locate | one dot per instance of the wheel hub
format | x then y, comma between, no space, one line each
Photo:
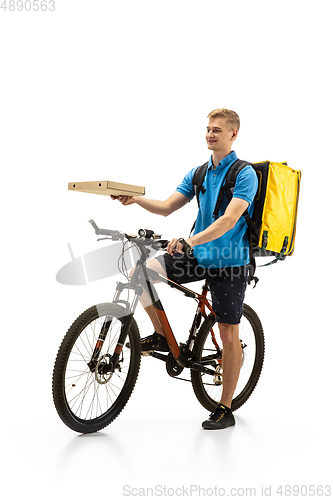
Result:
103,370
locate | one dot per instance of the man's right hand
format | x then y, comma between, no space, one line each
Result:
125,200
174,202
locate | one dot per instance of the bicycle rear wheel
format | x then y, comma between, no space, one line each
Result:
88,391
208,350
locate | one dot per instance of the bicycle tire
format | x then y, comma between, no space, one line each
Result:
87,400
251,335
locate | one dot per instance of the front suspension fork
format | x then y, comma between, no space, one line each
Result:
99,344
125,328
126,321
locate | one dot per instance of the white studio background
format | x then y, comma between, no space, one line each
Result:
120,91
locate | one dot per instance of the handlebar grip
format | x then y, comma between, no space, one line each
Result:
94,225
188,250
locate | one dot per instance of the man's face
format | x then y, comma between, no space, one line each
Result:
220,135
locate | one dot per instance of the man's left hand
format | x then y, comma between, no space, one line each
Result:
175,246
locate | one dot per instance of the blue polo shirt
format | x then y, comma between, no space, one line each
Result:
232,248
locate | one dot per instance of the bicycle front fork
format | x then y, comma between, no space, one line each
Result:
126,320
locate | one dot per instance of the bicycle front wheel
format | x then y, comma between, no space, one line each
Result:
89,391
208,351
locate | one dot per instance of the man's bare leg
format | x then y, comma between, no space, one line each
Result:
145,300
231,360
222,416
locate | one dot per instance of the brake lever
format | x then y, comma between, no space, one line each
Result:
115,237
160,244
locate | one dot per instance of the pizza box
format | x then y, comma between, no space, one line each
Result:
107,188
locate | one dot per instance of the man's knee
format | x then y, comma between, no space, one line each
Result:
228,333
131,272
154,265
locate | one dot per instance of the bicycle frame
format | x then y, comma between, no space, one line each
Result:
142,279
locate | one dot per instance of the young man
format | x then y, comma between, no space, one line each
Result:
220,250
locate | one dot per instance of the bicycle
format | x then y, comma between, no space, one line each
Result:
98,361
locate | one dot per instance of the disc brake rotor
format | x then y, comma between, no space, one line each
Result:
103,370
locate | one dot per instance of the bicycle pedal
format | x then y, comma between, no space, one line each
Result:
146,353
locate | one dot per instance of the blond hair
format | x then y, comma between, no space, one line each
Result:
231,116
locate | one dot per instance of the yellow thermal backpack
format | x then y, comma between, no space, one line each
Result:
272,227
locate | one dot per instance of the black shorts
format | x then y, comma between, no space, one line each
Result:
227,285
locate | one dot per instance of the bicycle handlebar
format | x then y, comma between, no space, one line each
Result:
145,236
105,232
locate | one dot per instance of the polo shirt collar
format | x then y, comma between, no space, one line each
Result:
225,162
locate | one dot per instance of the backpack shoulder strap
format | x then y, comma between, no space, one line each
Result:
198,178
229,183
197,181
227,188
231,176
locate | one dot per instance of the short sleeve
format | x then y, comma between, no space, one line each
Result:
246,184
186,187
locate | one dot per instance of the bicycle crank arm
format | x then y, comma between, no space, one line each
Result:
158,355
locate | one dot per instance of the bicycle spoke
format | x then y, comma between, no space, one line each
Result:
88,395
208,388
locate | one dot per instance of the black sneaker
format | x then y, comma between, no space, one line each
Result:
221,418
155,342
